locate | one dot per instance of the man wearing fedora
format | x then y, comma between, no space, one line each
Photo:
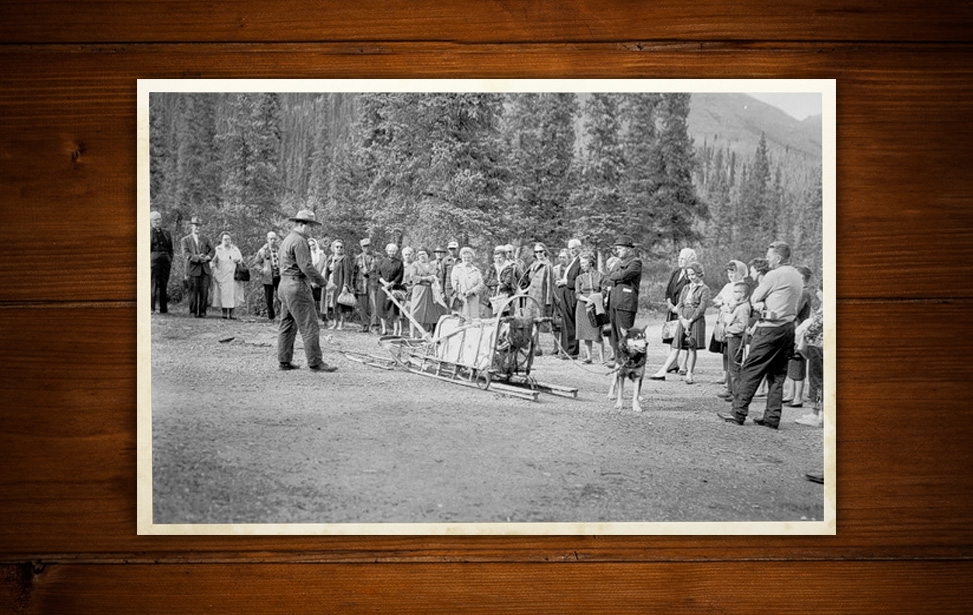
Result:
623,300
298,311
199,251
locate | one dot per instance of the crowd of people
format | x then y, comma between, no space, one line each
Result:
769,326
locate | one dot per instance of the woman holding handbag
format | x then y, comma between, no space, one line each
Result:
339,272
227,290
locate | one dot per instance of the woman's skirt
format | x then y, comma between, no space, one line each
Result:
697,333
583,330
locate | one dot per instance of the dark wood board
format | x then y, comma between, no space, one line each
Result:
504,21
67,307
712,587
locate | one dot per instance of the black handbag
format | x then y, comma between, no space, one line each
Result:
596,320
242,273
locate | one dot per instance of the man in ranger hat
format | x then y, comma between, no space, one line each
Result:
297,309
161,260
199,251
366,284
624,280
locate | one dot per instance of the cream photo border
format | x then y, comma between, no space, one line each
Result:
824,87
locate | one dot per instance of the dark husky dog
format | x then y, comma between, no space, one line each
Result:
630,364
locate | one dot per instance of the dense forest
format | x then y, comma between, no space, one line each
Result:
425,168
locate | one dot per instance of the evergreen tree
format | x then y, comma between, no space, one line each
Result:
196,170
539,139
676,205
598,205
753,216
644,166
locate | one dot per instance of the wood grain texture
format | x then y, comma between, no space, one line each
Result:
46,21
491,588
68,470
903,181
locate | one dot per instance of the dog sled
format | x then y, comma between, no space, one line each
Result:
493,354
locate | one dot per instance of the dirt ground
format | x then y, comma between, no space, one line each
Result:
235,440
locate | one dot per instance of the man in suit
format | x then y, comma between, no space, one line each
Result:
566,301
623,300
161,260
198,251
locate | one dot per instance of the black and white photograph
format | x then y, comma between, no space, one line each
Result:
486,307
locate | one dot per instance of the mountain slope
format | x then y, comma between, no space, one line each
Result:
737,121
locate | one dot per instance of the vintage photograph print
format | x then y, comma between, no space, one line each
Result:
479,307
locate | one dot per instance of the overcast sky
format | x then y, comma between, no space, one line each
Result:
799,105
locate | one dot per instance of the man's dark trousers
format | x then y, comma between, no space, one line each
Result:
298,312
619,319
568,304
199,293
269,290
161,266
770,350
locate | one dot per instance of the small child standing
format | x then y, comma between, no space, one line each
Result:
737,322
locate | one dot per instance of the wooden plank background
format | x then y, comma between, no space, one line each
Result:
67,305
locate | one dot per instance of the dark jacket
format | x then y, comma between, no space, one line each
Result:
625,280
197,263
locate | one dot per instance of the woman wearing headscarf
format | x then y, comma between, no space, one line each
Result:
227,291
736,271
691,331
339,271
468,284
678,279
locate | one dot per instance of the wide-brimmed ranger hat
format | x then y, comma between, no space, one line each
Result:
625,240
305,215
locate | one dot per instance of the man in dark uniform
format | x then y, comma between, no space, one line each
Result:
161,260
198,251
623,301
566,301
297,309
446,264
365,286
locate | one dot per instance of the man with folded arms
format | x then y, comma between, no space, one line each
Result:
298,311
775,299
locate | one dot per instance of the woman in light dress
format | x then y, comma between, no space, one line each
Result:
227,292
